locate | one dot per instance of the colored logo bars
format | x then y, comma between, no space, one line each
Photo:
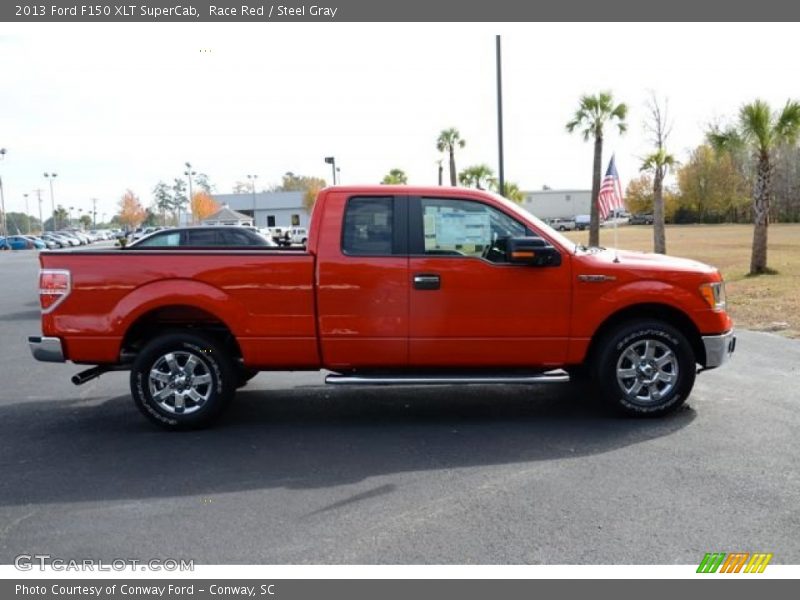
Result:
735,562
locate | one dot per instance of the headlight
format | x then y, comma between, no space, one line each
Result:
714,294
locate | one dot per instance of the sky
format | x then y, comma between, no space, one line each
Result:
110,107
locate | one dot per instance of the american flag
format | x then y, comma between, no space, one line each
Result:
610,196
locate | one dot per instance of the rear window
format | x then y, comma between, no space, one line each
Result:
368,224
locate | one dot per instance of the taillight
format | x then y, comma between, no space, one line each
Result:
54,287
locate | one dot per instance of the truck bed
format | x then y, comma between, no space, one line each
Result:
263,297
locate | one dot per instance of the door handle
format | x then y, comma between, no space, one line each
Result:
427,281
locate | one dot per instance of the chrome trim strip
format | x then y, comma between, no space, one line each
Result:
719,348
555,377
46,349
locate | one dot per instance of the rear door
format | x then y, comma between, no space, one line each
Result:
469,306
363,282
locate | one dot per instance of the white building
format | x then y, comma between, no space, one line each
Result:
227,216
552,204
272,209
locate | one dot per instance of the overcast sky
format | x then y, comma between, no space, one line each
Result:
116,106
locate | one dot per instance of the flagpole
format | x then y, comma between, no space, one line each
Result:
616,240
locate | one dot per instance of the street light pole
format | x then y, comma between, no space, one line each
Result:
50,177
3,198
253,178
189,174
39,197
332,162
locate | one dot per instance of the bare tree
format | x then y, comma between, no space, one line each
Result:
658,163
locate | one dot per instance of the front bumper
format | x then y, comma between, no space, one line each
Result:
719,348
46,349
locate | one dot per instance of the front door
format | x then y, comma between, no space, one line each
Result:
469,307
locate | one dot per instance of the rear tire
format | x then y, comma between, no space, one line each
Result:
182,381
646,368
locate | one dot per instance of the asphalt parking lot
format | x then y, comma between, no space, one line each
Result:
302,473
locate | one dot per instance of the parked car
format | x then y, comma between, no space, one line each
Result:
18,242
298,236
563,224
398,285
582,222
228,236
56,242
38,242
278,234
641,219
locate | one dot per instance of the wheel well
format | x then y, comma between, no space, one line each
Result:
177,317
661,312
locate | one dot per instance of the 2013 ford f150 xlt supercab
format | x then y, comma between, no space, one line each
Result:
397,285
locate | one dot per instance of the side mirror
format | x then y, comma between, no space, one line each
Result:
533,251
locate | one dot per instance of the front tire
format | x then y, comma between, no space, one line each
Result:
182,381
646,368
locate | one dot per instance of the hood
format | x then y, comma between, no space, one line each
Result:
643,261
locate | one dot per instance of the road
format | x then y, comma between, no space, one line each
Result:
302,473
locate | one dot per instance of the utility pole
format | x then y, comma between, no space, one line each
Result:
501,169
94,213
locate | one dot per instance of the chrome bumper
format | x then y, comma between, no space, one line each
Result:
46,349
719,348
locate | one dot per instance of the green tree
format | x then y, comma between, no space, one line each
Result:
478,176
591,118
711,187
395,177
85,221
61,215
20,223
447,141
513,193
180,199
762,131
310,186
639,194
162,200
202,182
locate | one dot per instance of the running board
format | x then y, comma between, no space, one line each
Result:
558,376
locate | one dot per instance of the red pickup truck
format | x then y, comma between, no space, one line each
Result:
397,285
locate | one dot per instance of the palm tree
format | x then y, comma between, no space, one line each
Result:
592,116
659,163
479,176
513,193
762,132
60,216
395,176
447,142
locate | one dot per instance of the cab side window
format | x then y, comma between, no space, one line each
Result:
467,228
368,227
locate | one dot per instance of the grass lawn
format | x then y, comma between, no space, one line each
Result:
767,302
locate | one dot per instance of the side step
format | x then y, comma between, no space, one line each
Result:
557,376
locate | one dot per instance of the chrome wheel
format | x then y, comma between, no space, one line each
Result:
647,371
180,382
